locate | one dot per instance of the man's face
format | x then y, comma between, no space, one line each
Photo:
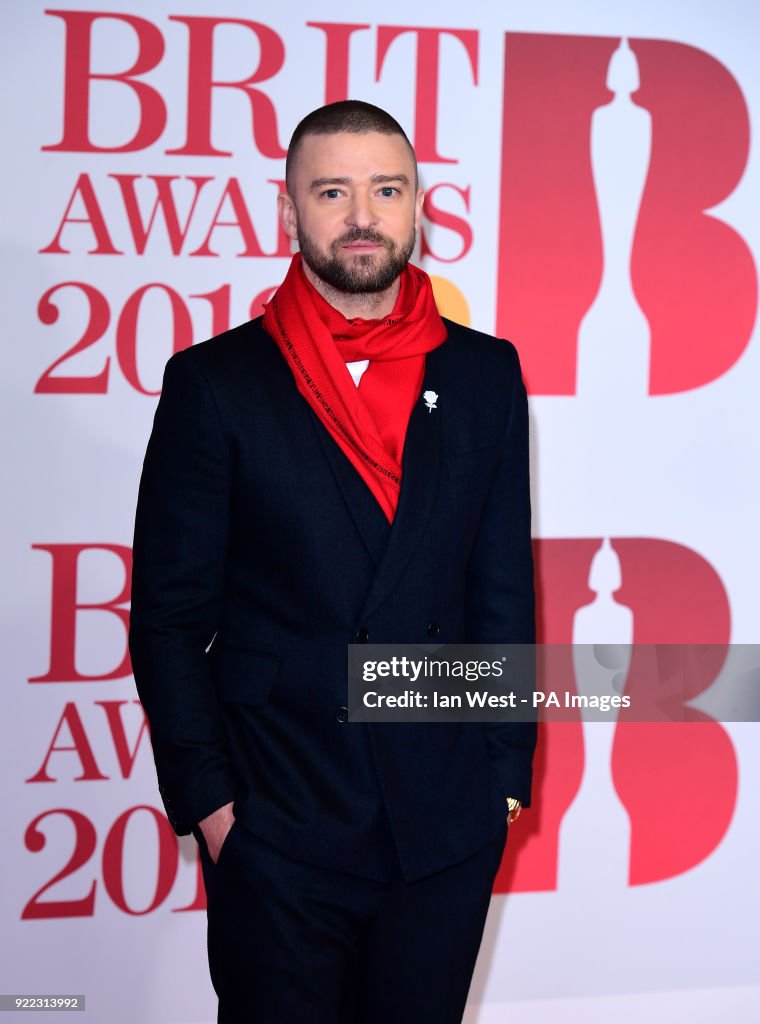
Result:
354,208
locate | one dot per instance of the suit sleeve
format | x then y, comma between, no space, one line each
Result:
500,594
179,554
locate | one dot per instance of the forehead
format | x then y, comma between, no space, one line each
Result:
345,154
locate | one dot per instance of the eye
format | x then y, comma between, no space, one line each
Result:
331,193
388,191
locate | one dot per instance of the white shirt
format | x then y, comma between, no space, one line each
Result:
356,369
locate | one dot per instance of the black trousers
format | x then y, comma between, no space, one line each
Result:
290,943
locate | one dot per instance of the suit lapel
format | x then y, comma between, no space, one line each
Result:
393,546
419,488
368,517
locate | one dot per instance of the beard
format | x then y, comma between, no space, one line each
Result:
357,275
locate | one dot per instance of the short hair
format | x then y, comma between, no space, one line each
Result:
353,116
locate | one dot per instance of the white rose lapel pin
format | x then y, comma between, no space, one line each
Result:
430,400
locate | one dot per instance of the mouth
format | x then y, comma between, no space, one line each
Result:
361,247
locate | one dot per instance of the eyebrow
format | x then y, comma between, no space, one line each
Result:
376,179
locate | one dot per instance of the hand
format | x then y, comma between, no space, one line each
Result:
215,829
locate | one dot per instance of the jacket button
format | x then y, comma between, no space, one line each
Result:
433,629
362,635
341,715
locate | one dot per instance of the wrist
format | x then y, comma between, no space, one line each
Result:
218,821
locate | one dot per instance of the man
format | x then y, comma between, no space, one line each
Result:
351,468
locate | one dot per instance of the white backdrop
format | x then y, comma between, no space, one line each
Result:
613,238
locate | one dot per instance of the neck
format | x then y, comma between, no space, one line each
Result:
367,305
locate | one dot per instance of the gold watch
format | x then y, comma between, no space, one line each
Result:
514,807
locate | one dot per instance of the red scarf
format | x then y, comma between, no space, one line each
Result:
369,422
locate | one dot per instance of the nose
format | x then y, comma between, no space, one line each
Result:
361,213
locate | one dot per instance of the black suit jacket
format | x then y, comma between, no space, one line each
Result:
253,529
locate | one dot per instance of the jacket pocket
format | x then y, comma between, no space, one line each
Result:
245,677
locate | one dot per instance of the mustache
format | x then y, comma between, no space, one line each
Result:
361,235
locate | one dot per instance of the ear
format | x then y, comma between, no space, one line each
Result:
286,210
418,201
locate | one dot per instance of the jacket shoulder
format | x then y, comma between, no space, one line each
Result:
475,351
225,354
